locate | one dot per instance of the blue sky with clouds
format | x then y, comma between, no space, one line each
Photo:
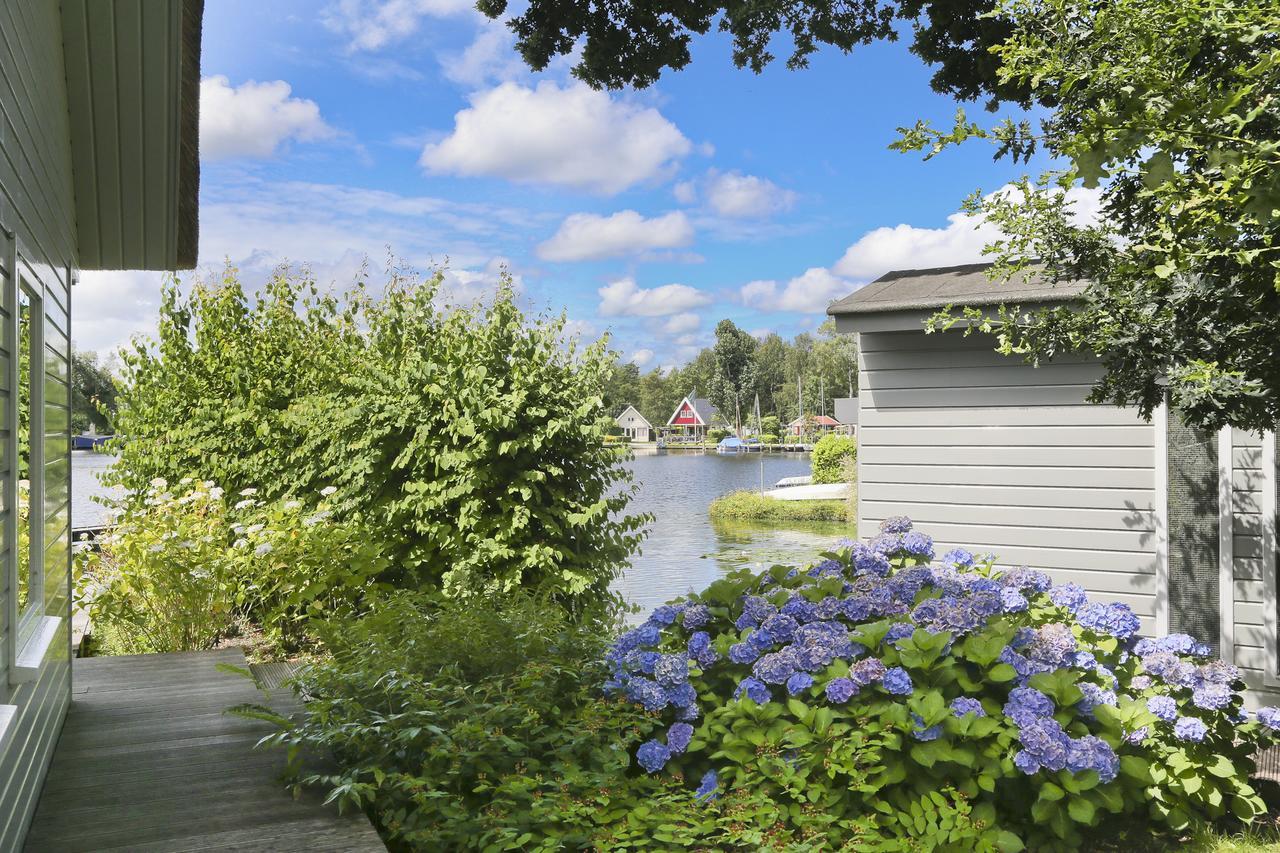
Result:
332,131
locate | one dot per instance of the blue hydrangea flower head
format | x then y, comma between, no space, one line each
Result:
1116,620
1093,697
1269,717
897,681
671,670
1093,753
798,683
1170,669
957,558
1027,705
919,732
1012,601
664,615
1212,697
708,787
799,608
1026,762
867,671
918,545
867,561
1069,595
896,524
1190,729
781,627
696,616
682,695
647,693
777,667
1164,707
899,631
962,705
1138,735
1216,672
754,689
653,755
678,737
743,653
840,690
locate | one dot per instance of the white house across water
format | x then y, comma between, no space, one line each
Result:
989,453
634,425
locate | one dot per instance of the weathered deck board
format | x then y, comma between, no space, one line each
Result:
147,761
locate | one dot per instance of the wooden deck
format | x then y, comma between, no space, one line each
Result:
148,761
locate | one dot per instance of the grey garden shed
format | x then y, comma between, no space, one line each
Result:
992,454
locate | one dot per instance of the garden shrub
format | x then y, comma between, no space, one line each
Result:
462,725
881,702
182,567
751,506
769,438
716,434
469,439
829,458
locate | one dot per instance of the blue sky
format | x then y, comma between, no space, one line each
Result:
331,132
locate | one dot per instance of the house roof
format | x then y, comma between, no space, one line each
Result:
964,285
819,420
701,407
633,410
133,99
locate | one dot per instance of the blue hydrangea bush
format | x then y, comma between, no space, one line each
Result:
884,697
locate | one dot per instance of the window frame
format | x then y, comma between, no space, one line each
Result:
32,288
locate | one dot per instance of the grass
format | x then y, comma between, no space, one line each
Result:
749,506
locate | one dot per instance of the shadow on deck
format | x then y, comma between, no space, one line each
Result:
148,761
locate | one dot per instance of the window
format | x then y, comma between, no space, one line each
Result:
30,531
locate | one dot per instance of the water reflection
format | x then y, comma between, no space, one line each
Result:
685,550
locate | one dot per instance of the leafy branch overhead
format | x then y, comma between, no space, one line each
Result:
1171,108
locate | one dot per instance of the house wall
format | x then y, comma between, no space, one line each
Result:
1253,484
987,453
36,202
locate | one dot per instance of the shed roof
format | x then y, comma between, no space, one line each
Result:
964,285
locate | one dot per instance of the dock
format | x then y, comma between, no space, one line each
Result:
149,761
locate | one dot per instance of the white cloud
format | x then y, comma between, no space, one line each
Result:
463,286
491,57
622,298
374,24
808,293
587,236
686,192
641,357
254,119
681,324
571,136
736,195
112,306
960,242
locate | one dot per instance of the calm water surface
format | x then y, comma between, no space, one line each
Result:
684,550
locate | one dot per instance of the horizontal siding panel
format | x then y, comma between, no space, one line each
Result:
1250,636
1248,613
1248,590
985,357
1035,517
1138,501
1247,547
1246,523
911,341
1246,502
946,395
975,415
1009,373
1023,456
1246,481
1247,570
1053,559
1132,436
1118,478
1249,458
999,537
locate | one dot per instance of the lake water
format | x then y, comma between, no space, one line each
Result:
684,550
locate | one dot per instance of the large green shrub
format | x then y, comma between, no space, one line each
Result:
879,702
469,439
829,457
183,566
475,725
750,506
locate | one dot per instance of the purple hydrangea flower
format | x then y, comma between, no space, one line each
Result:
1069,595
1093,697
757,691
653,755
1044,738
743,653
647,694
887,543
958,557
700,649
896,524
867,671
696,616
1024,579
919,732
682,695
1170,669
1138,735
754,611
918,545
777,667
899,631
664,615
678,737
799,608
1093,753
897,681
1164,707
1012,601
962,705
869,562
708,787
641,661
1117,620
840,690
1190,729
1140,682
798,683
1212,697
1026,762
1027,705
1269,717
671,670
1217,672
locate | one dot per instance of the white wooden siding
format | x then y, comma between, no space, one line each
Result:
37,202
987,453
1251,637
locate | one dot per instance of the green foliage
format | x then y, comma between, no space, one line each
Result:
633,44
182,567
735,378
749,506
93,392
469,725
873,766
714,435
468,439
1169,108
770,425
830,458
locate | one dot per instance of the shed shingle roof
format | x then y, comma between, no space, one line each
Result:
965,285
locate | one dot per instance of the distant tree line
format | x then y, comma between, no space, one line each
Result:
93,391
817,367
